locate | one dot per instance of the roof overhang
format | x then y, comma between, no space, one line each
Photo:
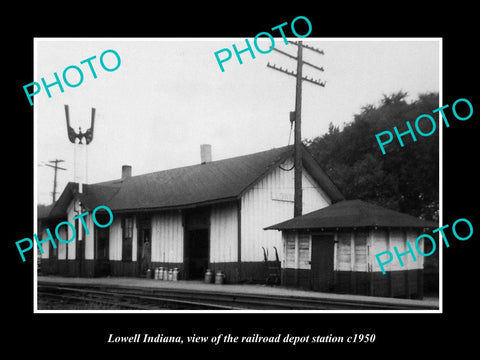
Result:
353,214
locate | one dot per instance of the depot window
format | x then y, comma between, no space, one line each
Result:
127,238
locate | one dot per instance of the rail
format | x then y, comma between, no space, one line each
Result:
141,298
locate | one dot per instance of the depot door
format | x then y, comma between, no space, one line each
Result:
144,248
102,264
322,263
197,250
196,243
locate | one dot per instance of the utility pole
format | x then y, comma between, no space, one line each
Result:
55,167
298,198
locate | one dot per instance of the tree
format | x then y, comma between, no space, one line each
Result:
406,178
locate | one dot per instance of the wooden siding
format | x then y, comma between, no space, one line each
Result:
398,283
412,237
304,251
359,253
223,233
269,202
297,249
89,239
134,239
115,239
72,244
65,233
290,250
62,247
343,259
314,198
397,240
383,240
350,252
45,246
378,244
167,237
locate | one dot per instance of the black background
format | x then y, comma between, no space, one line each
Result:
408,335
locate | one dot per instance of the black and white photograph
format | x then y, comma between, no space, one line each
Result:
198,169
253,181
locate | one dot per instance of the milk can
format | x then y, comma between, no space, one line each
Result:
160,273
149,274
165,274
156,273
219,277
175,274
208,276
170,275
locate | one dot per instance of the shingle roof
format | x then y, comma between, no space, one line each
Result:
216,181
353,214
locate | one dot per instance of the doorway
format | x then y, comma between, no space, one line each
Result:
196,245
102,265
322,263
144,245
197,253
144,250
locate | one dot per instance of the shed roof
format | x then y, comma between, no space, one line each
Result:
353,214
212,182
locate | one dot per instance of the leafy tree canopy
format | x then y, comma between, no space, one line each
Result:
406,178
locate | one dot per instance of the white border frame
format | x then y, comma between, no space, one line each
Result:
35,144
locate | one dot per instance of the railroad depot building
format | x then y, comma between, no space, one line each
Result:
211,215
224,215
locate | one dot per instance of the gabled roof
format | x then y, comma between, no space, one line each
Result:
353,214
212,182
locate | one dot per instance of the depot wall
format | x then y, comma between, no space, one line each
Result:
269,202
64,259
355,269
167,237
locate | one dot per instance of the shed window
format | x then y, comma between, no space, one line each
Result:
304,252
344,251
127,238
361,251
290,251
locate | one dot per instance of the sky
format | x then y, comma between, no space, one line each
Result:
169,95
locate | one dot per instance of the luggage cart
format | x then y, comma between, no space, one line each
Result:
272,268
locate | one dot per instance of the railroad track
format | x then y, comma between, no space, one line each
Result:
140,298
123,298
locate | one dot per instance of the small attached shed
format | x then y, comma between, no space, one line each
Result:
333,250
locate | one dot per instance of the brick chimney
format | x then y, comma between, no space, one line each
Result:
126,171
205,153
